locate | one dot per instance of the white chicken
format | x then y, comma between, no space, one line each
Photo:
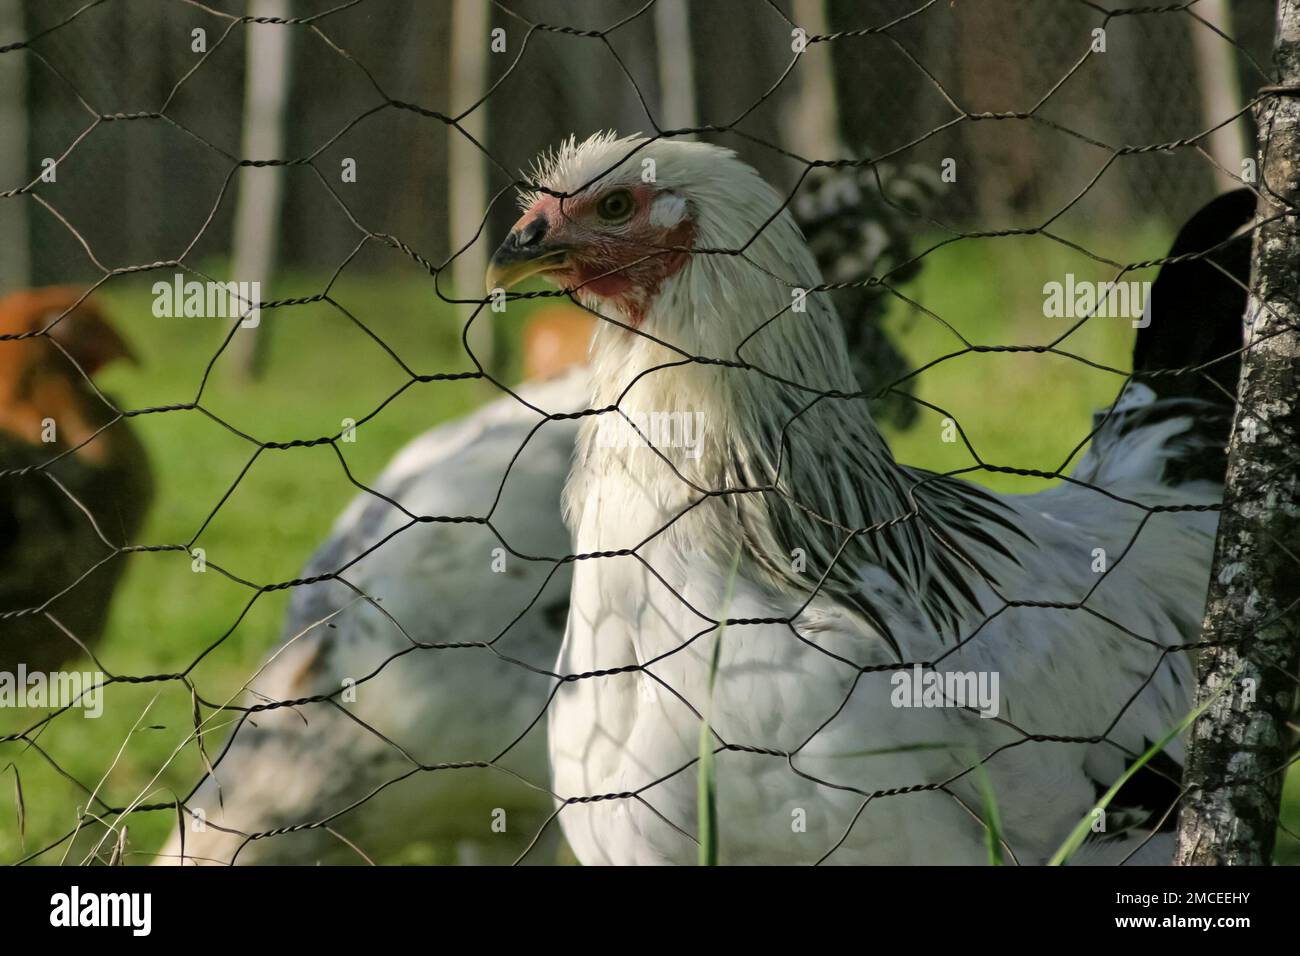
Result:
837,568
305,775
400,709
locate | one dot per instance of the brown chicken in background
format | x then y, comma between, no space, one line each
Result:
556,338
74,483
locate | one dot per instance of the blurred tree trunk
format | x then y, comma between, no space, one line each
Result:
1216,76
467,177
727,92
882,100
995,77
678,107
812,117
1238,746
140,161
15,170
257,208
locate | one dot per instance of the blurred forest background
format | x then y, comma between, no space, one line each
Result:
141,189
363,82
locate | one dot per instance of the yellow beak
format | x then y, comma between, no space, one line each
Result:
510,265
529,250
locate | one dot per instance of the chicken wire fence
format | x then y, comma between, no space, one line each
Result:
106,819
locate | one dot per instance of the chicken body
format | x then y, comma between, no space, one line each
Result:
840,571
76,481
305,765
812,710
414,706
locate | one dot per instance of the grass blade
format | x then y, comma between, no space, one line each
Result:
1084,826
992,821
707,777
20,805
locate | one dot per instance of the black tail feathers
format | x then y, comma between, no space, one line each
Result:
1195,306
1194,321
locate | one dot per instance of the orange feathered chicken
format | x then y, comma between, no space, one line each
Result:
75,482
556,338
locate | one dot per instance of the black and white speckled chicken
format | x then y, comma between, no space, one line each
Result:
860,223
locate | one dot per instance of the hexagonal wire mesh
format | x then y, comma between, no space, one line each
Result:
999,81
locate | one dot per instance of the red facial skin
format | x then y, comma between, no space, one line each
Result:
624,264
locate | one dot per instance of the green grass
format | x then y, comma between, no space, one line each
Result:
320,370
989,813
1023,409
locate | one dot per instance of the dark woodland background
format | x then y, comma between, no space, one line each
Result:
149,184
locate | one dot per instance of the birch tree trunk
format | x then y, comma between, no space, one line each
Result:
257,206
811,118
678,109
1238,746
15,171
1216,76
467,177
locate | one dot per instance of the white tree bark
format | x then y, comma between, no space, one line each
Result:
15,171
257,207
467,175
677,95
1216,75
1238,747
811,118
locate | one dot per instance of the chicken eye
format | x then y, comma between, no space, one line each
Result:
616,206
